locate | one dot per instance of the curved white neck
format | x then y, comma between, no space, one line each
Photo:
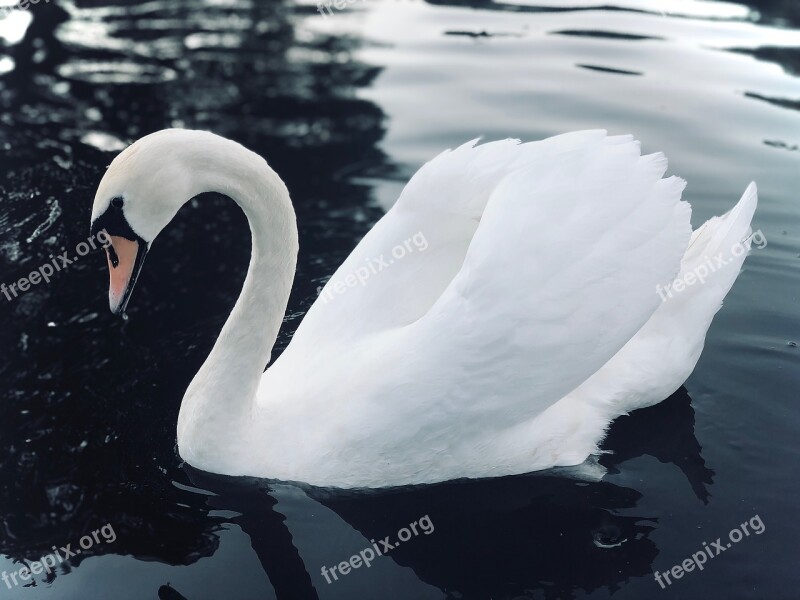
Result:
219,400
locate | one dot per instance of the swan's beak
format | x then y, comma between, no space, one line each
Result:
125,260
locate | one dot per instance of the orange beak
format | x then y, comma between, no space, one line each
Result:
125,260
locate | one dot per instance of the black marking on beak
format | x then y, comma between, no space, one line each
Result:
112,255
137,268
114,223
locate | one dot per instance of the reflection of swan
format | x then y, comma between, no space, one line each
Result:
527,321
664,431
489,537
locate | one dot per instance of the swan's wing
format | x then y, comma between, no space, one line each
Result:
561,272
539,262
405,262
542,262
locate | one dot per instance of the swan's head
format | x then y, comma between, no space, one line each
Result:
142,190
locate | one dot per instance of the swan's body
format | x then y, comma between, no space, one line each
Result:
528,321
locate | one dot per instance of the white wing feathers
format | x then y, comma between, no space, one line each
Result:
562,270
538,254
529,320
442,204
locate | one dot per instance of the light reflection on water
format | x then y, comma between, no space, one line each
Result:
345,108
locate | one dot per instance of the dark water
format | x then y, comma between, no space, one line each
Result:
345,108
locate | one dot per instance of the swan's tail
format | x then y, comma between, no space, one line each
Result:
712,261
676,332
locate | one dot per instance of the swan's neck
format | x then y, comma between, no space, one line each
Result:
217,406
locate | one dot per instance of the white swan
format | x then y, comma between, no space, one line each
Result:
529,321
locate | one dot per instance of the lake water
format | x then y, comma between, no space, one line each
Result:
346,107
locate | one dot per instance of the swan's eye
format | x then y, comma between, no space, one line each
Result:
117,202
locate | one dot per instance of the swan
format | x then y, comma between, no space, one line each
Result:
558,287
